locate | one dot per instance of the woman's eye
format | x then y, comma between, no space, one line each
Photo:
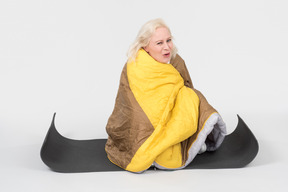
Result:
159,43
169,40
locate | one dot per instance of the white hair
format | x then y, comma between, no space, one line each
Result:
144,36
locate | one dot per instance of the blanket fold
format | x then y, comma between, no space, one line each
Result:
159,117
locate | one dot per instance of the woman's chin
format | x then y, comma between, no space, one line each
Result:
164,60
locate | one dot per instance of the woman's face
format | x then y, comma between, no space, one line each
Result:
160,45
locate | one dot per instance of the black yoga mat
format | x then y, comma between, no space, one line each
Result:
71,156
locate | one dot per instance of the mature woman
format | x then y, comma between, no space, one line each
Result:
159,118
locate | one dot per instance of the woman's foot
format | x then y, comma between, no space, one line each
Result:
202,149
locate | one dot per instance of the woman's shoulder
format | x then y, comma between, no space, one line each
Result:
178,63
177,60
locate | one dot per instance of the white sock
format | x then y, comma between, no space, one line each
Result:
202,149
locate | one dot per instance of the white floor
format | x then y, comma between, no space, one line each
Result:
22,170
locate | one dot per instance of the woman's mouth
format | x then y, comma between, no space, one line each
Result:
167,55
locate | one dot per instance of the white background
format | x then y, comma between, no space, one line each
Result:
66,56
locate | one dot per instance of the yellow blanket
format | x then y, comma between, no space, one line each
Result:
157,118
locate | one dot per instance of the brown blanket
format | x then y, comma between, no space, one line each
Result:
129,127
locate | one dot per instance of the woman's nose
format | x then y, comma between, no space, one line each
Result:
166,46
